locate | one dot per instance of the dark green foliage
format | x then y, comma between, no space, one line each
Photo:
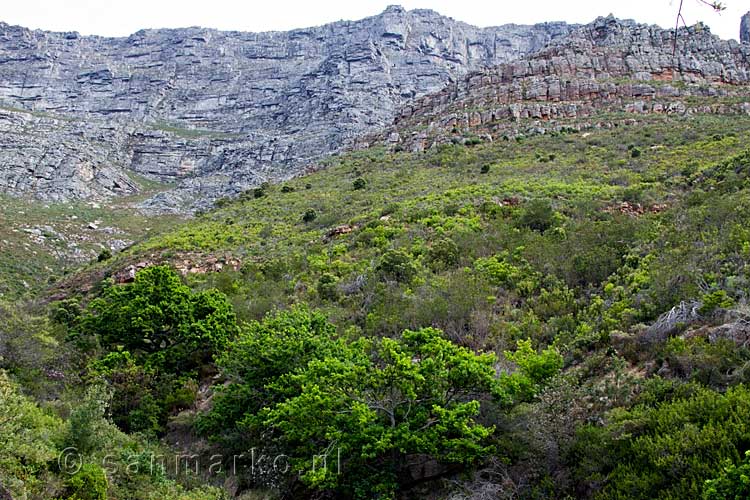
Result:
538,215
732,482
443,254
309,215
397,265
137,391
485,168
367,405
715,300
104,255
669,445
161,320
160,333
327,286
360,183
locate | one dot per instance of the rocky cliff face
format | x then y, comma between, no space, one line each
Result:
745,29
609,65
217,112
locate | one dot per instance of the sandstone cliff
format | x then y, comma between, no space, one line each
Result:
609,65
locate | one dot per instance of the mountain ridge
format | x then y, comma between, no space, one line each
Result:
207,113
220,112
610,65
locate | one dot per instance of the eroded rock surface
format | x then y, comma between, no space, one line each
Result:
218,112
608,65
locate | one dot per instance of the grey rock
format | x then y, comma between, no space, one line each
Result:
215,113
745,29
609,65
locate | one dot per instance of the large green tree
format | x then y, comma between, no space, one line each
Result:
362,408
157,335
162,320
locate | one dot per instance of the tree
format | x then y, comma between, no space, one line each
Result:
28,439
262,353
366,405
157,334
161,321
732,483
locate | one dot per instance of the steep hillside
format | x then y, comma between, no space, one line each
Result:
620,255
218,112
533,284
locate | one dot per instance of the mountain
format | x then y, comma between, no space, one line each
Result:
609,65
213,112
526,274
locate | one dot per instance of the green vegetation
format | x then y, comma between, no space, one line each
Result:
362,405
193,133
561,316
41,243
155,335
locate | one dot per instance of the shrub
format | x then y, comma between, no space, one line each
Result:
442,254
327,287
673,441
485,168
732,483
262,353
309,215
104,255
89,483
360,183
87,423
538,215
369,404
161,320
28,438
715,300
397,265
534,369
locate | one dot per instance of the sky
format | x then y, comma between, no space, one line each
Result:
123,17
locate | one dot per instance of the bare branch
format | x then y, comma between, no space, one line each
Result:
717,6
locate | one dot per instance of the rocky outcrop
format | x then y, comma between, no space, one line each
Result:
745,29
609,65
218,112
